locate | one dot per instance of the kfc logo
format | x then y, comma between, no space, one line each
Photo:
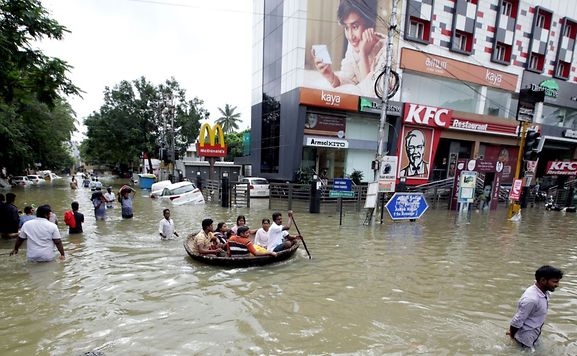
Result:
427,115
567,168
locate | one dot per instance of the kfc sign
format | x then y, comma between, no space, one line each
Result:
427,115
562,168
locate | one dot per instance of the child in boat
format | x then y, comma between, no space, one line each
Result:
240,244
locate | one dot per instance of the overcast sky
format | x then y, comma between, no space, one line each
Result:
204,45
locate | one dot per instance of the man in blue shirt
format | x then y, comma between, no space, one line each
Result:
525,327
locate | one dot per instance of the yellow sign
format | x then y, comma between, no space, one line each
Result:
211,149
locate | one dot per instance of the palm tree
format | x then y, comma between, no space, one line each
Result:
229,119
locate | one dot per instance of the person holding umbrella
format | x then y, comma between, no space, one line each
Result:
125,198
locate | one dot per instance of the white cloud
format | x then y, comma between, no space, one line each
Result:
205,46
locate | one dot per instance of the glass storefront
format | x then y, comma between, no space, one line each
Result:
500,103
440,92
559,116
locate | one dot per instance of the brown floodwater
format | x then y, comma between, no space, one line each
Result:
444,285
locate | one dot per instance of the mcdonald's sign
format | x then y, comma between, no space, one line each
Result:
212,148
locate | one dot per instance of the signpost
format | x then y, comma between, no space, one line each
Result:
515,193
342,188
407,206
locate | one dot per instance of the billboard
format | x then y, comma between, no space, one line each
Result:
346,45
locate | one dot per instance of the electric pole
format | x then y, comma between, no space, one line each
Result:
385,98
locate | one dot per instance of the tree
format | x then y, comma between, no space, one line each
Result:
35,121
234,144
139,117
229,119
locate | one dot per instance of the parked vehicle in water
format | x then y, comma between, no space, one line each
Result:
182,193
21,181
258,187
35,179
157,188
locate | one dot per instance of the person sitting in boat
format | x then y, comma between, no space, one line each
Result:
261,237
276,241
241,221
221,232
240,244
201,242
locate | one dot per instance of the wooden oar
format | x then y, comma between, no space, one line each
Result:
302,238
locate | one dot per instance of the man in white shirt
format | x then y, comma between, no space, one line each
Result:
276,242
42,236
110,198
166,226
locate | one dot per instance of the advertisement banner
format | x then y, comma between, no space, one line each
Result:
325,125
388,174
467,185
340,39
417,146
561,168
515,193
508,156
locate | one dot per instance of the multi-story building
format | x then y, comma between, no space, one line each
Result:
459,66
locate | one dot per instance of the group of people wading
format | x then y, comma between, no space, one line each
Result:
270,239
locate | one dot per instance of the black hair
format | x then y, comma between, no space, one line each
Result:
276,215
43,211
74,205
206,223
165,210
265,220
241,230
548,272
366,9
10,198
219,226
240,217
28,210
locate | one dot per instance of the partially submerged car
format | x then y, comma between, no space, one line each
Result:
181,193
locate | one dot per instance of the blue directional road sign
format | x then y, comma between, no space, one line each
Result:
407,206
342,184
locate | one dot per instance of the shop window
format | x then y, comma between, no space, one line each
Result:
498,103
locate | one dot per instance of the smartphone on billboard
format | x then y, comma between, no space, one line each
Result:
322,52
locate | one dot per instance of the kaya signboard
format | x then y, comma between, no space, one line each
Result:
333,45
450,68
557,92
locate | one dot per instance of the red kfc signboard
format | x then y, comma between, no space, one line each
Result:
427,115
562,168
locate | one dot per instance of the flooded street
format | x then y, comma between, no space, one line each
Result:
440,286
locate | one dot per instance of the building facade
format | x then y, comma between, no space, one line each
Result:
459,66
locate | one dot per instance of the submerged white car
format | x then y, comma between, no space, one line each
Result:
258,187
181,193
157,188
35,179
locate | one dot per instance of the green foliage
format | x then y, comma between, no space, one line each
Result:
138,117
235,144
35,122
356,176
304,176
229,119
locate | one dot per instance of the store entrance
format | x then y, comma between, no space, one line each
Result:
321,160
448,152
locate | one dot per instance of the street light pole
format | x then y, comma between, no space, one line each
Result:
385,99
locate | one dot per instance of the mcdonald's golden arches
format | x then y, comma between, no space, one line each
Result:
212,148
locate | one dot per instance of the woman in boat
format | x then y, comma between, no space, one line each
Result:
221,232
240,221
